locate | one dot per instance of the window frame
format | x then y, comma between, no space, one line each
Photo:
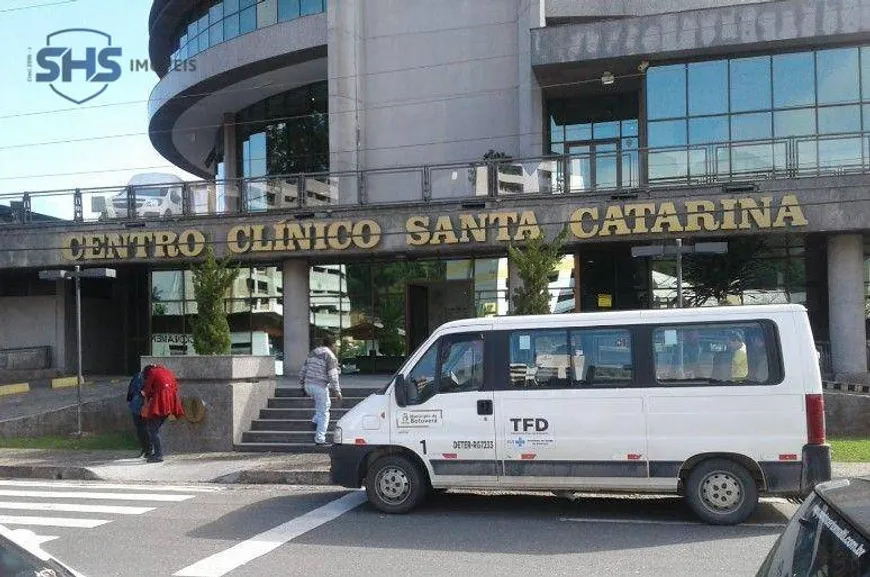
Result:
775,367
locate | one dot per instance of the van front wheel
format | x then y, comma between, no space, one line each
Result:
721,492
394,484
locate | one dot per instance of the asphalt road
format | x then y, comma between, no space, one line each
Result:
241,531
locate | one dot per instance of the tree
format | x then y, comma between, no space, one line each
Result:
211,280
719,276
535,262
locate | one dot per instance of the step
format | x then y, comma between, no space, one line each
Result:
360,392
298,414
303,425
308,403
280,437
280,448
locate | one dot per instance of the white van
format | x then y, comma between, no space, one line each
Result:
717,404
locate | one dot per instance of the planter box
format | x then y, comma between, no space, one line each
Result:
232,390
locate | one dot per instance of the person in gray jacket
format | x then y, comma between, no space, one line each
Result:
318,375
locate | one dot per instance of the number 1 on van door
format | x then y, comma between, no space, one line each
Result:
424,446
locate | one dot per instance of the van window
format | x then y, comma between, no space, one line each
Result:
457,360
560,359
714,353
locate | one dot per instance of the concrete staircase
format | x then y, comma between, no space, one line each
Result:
285,424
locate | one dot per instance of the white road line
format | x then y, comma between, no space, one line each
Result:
221,563
27,534
121,486
656,522
74,508
96,495
52,521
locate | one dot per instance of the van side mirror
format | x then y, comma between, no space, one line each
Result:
401,390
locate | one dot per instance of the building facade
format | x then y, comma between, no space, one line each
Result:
378,157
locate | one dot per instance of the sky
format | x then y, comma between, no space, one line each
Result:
31,113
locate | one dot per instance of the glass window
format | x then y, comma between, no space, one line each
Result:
311,7
705,354
246,3
601,357
840,153
755,126
288,10
865,73
248,20
605,130
231,7
216,13
750,84
668,165
192,30
708,130
708,88
231,26
867,117
267,13
540,360
837,72
578,132
629,128
839,119
421,380
667,133
794,80
666,92
801,122
216,33
167,285
202,26
461,366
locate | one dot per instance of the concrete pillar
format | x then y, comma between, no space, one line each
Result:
232,191
296,315
59,355
846,304
531,105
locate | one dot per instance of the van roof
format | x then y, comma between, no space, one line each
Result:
619,317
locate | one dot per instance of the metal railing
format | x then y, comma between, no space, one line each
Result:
588,173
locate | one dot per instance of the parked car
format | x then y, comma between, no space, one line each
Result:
21,556
154,194
829,536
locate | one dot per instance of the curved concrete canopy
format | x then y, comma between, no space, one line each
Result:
186,108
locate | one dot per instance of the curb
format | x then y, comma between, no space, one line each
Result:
265,477
15,389
47,472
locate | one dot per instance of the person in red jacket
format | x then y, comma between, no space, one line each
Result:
161,401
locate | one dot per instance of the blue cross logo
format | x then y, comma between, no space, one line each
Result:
520,442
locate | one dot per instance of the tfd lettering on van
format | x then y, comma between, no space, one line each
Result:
526,425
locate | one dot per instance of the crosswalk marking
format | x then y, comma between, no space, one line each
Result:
222,563
52,521
74,508
121,486
159,497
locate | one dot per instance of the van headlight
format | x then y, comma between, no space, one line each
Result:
336,436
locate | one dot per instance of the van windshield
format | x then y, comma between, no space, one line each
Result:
818,542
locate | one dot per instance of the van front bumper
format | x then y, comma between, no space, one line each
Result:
345,464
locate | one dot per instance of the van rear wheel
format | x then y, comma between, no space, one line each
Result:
395,484
721,492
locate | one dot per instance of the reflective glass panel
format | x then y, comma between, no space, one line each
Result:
839,119
708,129
605,130
750,84
248,20
267,13
231,26
837,72
667,133
794,79
865,73
708,88
311,7
288,9
231,6
800,122
755,126
666,91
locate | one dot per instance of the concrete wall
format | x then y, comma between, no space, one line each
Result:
425,82
35,321
602,9
847,414
104,416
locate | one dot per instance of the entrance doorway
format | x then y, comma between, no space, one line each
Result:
433,303
594,164
610,279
